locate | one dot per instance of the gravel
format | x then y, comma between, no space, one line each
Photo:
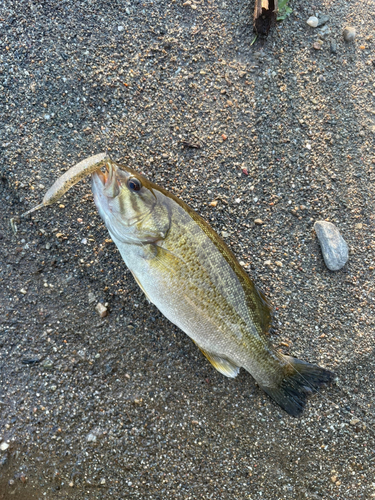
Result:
280,126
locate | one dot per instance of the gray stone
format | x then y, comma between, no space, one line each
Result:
91,437
333,47
334,248
323,20
349,34
47,364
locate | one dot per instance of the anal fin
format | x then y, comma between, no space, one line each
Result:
222,365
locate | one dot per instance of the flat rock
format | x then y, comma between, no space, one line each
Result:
334,247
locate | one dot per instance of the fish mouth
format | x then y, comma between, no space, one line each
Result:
107,180
105,187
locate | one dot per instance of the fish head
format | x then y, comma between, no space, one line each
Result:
131,206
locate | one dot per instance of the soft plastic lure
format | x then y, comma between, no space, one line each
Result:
66,181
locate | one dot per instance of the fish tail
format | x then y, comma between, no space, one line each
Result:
300,379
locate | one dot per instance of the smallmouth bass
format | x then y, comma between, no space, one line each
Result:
187,271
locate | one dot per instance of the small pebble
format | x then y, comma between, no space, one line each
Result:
47,364
91,297
354,421
267,263
120,28
322,20
23,291
102,310
317,46
4,446
213,203
259,55
357,226
279,264
334,248
259,222
91,438
324,31
349,34
82,354
333,47
313,21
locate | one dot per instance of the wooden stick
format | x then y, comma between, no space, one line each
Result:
264,15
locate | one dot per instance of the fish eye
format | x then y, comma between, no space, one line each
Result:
134,184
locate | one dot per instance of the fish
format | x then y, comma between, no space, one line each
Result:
189,273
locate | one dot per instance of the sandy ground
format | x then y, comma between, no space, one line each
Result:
126,406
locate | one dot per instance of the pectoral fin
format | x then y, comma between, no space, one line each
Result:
222,365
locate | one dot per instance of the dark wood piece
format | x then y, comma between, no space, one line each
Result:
264,16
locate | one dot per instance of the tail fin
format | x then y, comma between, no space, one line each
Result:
300,381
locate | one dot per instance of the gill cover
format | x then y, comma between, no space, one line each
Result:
132,208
